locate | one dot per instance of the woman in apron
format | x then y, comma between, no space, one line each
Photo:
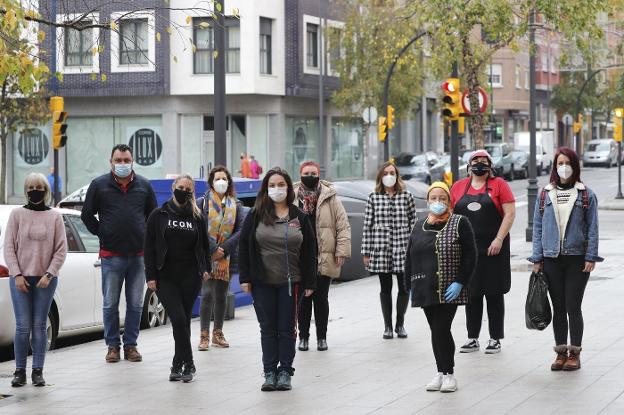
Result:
489,204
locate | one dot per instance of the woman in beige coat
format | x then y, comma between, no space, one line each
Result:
317,198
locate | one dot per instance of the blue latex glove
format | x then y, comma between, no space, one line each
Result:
452,292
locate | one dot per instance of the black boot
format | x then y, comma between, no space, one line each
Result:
176,372
19,378
401,304
188,373
303,344
386,310
37,377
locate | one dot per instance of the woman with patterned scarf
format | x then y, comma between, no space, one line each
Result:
441,258
224,217
317,199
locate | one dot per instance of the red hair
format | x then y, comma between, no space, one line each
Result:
310,163
574,163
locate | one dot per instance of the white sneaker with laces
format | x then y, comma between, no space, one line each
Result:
471,345
449,384
436,383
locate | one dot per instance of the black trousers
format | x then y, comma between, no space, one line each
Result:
321,310
385,280
277,314
178,296
496,315
566,285
440,318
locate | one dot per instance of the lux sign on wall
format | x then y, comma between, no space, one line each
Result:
33,147
146,146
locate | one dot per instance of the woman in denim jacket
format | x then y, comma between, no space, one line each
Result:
566,207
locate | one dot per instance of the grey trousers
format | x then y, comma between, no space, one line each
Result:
213,298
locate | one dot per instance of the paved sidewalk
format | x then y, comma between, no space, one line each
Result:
361,373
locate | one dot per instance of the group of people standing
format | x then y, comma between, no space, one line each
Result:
290,246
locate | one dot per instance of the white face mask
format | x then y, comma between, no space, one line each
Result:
389,180
278,194
220,186
564,171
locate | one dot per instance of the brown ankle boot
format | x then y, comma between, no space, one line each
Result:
204,340
574,359
562,356
218,339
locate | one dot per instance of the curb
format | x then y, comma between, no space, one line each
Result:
611,204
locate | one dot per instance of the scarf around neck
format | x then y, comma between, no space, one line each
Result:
221,222
308,198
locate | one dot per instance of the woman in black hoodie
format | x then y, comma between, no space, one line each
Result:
277,263
176,261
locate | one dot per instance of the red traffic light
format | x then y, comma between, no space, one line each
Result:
449,86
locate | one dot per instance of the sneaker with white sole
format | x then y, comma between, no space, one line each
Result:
449,384
471,345
494,346
436,383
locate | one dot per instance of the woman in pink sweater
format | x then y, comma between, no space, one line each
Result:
35,248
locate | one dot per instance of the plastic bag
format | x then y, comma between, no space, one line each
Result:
537,311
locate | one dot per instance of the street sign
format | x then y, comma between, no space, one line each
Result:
482,101
369,115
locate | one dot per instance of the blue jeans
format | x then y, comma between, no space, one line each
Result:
116,271
276,312
31,314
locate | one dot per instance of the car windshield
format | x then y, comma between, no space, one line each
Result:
419,160
494,151
517,153
599,147
445,159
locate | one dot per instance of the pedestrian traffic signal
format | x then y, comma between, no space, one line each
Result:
59,125
618,120
452,99
390,120
381,128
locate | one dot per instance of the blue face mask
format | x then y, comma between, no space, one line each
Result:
123,170
437,208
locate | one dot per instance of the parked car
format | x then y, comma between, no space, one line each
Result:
520,164
77,304
602,152
446,160
501,157
422,167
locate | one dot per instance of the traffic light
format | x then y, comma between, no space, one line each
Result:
59,125
381,128
452,99
617,121
577,126
390,121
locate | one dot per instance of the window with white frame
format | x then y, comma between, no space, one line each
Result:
133,45
312,43
265,46
518,77
495,75
203,37
79,50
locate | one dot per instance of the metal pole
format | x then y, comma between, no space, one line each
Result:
532,187
322,135
455,136
619,193
220,143
54,87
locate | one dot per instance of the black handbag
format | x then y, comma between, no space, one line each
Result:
537,312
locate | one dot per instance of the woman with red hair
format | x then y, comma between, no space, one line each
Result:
565,247
317,198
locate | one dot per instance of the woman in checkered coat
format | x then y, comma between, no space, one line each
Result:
388,220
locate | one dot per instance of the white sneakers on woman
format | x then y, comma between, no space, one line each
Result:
442,383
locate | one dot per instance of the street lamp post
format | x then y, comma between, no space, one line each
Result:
220,150
532,188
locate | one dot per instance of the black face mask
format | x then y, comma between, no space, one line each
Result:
480,169
35,196
181,196
311,182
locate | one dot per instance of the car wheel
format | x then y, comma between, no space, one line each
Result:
154,313
51,329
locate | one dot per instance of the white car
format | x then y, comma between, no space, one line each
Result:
77,305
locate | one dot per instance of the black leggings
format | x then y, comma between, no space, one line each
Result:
496,315
385,280
321,310
566,285
440,318
178,297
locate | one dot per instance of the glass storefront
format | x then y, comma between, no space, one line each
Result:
302,142
347,149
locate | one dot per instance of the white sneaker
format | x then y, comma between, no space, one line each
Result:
471,345
436,382
449,384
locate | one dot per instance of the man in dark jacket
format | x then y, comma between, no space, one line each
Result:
122,201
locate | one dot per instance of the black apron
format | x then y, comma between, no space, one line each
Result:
493,274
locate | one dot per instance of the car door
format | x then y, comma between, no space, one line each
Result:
76,282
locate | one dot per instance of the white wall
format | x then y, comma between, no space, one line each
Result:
249,80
